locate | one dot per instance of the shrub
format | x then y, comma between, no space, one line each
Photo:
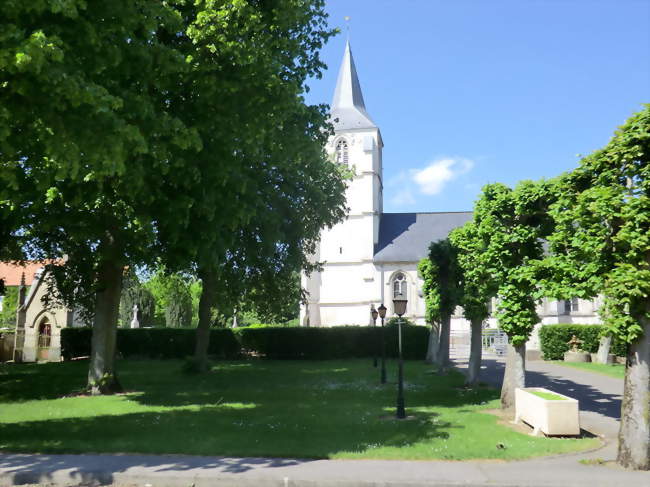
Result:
75,342
163,343
275,342
262,325
554,340
394,320
331,342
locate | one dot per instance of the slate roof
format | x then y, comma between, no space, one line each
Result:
348,110
405,237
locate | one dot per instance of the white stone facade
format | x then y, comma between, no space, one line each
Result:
363,256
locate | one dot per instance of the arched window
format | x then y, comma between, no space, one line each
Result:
400,286
341,152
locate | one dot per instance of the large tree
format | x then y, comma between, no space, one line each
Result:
601,246
478,286
261,181
443,293
509,229
88,137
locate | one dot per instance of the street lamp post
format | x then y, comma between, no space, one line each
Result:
382,314
399,305
373,315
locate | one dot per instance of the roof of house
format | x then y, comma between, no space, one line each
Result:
11,272
348,110
405,237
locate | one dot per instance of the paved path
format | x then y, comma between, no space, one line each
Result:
599,398
180,471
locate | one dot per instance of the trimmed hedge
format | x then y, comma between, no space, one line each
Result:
332,342
554,340
162,343
272,342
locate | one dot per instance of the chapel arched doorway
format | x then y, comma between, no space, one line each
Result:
44,339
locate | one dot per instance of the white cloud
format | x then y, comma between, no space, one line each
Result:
404,197
433,178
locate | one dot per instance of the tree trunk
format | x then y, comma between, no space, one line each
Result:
603,349
514,375
206,305
102,378
443,349
434,343
476,350
634,435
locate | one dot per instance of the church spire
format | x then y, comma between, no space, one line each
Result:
348,108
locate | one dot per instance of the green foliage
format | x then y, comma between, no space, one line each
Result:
478,283
162,343
331,342
271,342
291,324
427,274
442,281
178,313
177,132
172,294
394,320
602,238
9,306
509,228
261,180
549,396
554,340
134,293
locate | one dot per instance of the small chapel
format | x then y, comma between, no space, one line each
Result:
372,256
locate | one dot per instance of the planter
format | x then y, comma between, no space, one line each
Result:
554,414
577,356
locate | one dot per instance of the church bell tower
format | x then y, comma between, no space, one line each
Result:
342,292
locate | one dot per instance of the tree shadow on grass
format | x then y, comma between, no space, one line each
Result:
208,431
26,382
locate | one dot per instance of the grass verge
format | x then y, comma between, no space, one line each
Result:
304,409
549,396
613,370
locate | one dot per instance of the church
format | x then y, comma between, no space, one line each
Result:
371,255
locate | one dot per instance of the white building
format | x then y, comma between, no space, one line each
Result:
373,254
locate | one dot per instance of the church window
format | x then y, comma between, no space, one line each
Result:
341,152
399,286
571,305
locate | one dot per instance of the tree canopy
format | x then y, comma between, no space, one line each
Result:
163,133
601,246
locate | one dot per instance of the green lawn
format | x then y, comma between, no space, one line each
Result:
327,409
614,370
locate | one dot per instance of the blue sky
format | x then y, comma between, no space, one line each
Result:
471,92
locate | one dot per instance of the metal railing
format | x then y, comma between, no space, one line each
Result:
494,342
